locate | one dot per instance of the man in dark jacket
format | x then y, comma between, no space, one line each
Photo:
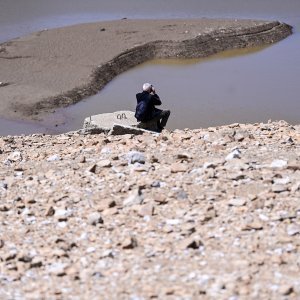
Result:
146,110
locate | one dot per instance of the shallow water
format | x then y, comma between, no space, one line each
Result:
255,87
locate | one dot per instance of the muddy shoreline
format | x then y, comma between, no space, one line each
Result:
59,67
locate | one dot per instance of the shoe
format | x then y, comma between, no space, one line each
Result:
159,129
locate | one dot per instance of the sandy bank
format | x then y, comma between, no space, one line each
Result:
58,67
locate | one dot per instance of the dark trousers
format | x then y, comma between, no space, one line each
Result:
162,117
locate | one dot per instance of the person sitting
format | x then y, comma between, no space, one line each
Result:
146,110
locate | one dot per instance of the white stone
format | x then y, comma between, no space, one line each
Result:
293,229
236,153
90,250
54,157
173,222
284,180
106,150
134,198
237,202
61,213
263,217
15,156
278,163
135,156
57,267
95,218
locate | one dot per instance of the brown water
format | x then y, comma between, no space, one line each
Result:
261,85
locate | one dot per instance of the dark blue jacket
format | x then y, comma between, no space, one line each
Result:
145,109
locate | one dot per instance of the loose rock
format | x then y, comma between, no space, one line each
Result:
95,218
236,153
293,229
129,243
278,163
161,228
237,202
136,157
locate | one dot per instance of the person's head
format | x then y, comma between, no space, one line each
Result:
147,87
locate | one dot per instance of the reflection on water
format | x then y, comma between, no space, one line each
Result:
10,127
247,86
193,61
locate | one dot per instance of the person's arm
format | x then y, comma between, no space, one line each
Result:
155,99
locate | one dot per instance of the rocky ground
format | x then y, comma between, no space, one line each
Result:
195,214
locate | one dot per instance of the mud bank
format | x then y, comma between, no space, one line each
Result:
58,67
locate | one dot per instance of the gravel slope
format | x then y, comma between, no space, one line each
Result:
209,213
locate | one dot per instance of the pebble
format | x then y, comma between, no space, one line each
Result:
193,242
155,184
50,211
3,185
146,210
160,198
136,157
182,195
90,250
286,289
95,218
253,225
179,167
105,163
237,202
57,268
281,181
54,157
236,153
82,159
278,163
184,156
279,188
173,222
61,213
135,197
105,204
129,243
293,229
209,165
36,262
15,156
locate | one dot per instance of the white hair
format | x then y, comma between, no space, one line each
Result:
147,87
